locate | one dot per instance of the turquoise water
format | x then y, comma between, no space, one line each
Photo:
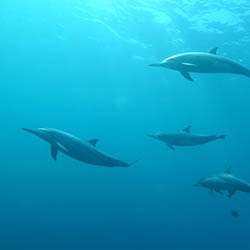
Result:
82,66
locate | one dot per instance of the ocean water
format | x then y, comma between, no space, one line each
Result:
82,66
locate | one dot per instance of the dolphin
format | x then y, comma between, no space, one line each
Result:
235,213
84,151
224,182
202,62
185,138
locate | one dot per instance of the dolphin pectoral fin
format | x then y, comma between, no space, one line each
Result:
54,151
187,76
218,191
93,142
171,147
231,193
187,129
213,50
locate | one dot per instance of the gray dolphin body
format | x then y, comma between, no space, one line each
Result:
76,148
225,182
201,62
185,138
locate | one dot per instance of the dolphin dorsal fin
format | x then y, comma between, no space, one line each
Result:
187,129
228,170
54,151
93,142
213,50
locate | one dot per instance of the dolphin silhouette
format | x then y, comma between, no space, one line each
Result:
201,62
185,138
76,148
224,182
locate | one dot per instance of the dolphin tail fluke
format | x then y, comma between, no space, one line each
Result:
222,137
247,73
133,163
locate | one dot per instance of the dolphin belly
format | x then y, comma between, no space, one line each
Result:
222,186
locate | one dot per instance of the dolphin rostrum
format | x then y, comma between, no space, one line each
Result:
185,138
201,62
224,182
76,148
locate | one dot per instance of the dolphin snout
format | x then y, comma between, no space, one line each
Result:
152,136
32,131
155,65
26,129
29,130
38,132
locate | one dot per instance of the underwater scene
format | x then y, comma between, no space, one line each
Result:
125,124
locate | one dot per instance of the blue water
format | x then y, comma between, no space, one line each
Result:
81,66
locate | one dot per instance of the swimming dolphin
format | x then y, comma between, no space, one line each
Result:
225,182
185,138
75,148
235,213
201,62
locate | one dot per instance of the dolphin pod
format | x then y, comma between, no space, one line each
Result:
184,63
84,151
185,138
225,182
202,62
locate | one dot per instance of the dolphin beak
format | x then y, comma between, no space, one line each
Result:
151,136
26,129
29,130
32,131
155,65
